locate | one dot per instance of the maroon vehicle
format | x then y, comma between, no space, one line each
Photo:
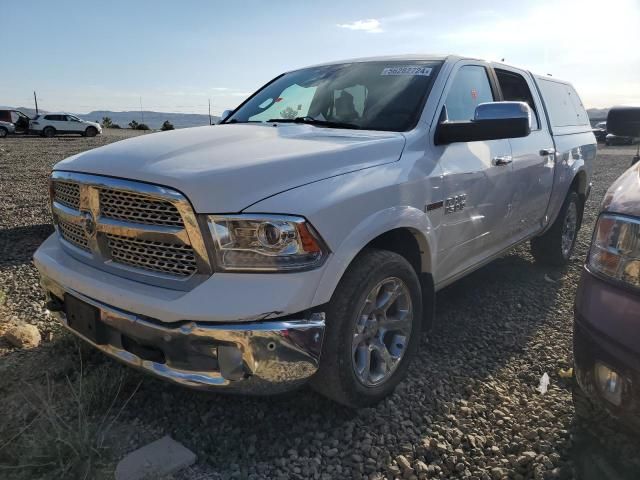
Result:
607,308
19,119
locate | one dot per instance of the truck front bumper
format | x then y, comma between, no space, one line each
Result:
261,357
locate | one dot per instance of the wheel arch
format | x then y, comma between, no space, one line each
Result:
408,234
579,185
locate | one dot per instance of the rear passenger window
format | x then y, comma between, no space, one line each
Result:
515,89
470,87
563,104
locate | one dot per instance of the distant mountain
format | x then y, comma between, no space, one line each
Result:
597,114
153,119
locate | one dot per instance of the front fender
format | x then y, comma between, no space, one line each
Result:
373,226
351,210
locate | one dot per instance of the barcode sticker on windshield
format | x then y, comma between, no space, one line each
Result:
407,70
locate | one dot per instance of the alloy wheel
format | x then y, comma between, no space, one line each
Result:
382,332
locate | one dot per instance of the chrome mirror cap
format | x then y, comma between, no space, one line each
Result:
502,111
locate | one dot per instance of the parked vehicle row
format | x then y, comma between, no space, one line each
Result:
278,249
47,125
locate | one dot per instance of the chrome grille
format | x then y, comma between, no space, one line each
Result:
132,207
157,256
68,194
140,231
73,234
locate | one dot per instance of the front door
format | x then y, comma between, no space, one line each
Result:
73,124
533,157
476,181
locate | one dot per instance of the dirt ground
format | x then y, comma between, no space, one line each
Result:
469,409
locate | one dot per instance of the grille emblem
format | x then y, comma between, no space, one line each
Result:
89,224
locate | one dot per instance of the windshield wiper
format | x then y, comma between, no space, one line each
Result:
233,120
315,121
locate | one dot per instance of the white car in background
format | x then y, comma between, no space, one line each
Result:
51,124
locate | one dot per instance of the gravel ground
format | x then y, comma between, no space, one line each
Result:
469,409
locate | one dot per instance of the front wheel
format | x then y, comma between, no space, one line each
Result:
556,245
91,132
373,329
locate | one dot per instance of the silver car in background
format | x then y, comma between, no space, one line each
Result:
6,128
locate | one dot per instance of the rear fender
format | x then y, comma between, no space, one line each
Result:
572,163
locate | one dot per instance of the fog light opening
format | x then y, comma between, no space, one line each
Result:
609,383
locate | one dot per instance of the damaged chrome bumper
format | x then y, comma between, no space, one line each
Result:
262,357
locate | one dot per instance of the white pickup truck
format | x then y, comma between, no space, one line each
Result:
304,238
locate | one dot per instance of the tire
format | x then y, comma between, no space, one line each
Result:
3,132
49,132
91,132
556,245
352,365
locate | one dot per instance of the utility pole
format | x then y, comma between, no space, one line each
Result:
210,112
35,98
141,112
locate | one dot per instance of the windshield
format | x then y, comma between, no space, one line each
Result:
370,95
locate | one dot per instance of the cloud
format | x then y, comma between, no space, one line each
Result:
375,25
370,25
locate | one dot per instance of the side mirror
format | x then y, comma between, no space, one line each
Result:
491,121
225,115
625,122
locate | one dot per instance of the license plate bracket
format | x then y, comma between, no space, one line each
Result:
85,319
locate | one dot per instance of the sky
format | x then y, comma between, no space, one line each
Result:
174,56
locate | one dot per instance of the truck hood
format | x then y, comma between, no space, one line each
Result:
624,194
226,168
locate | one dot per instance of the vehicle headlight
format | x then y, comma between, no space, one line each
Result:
267,243
615,250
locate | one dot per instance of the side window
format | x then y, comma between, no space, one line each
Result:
294,101
470,87
563,104
50,117
515,89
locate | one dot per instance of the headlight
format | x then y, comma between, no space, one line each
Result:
265,243
615,251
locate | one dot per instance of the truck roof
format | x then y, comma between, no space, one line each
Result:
431,57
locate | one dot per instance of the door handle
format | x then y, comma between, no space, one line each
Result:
547,151
502,160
